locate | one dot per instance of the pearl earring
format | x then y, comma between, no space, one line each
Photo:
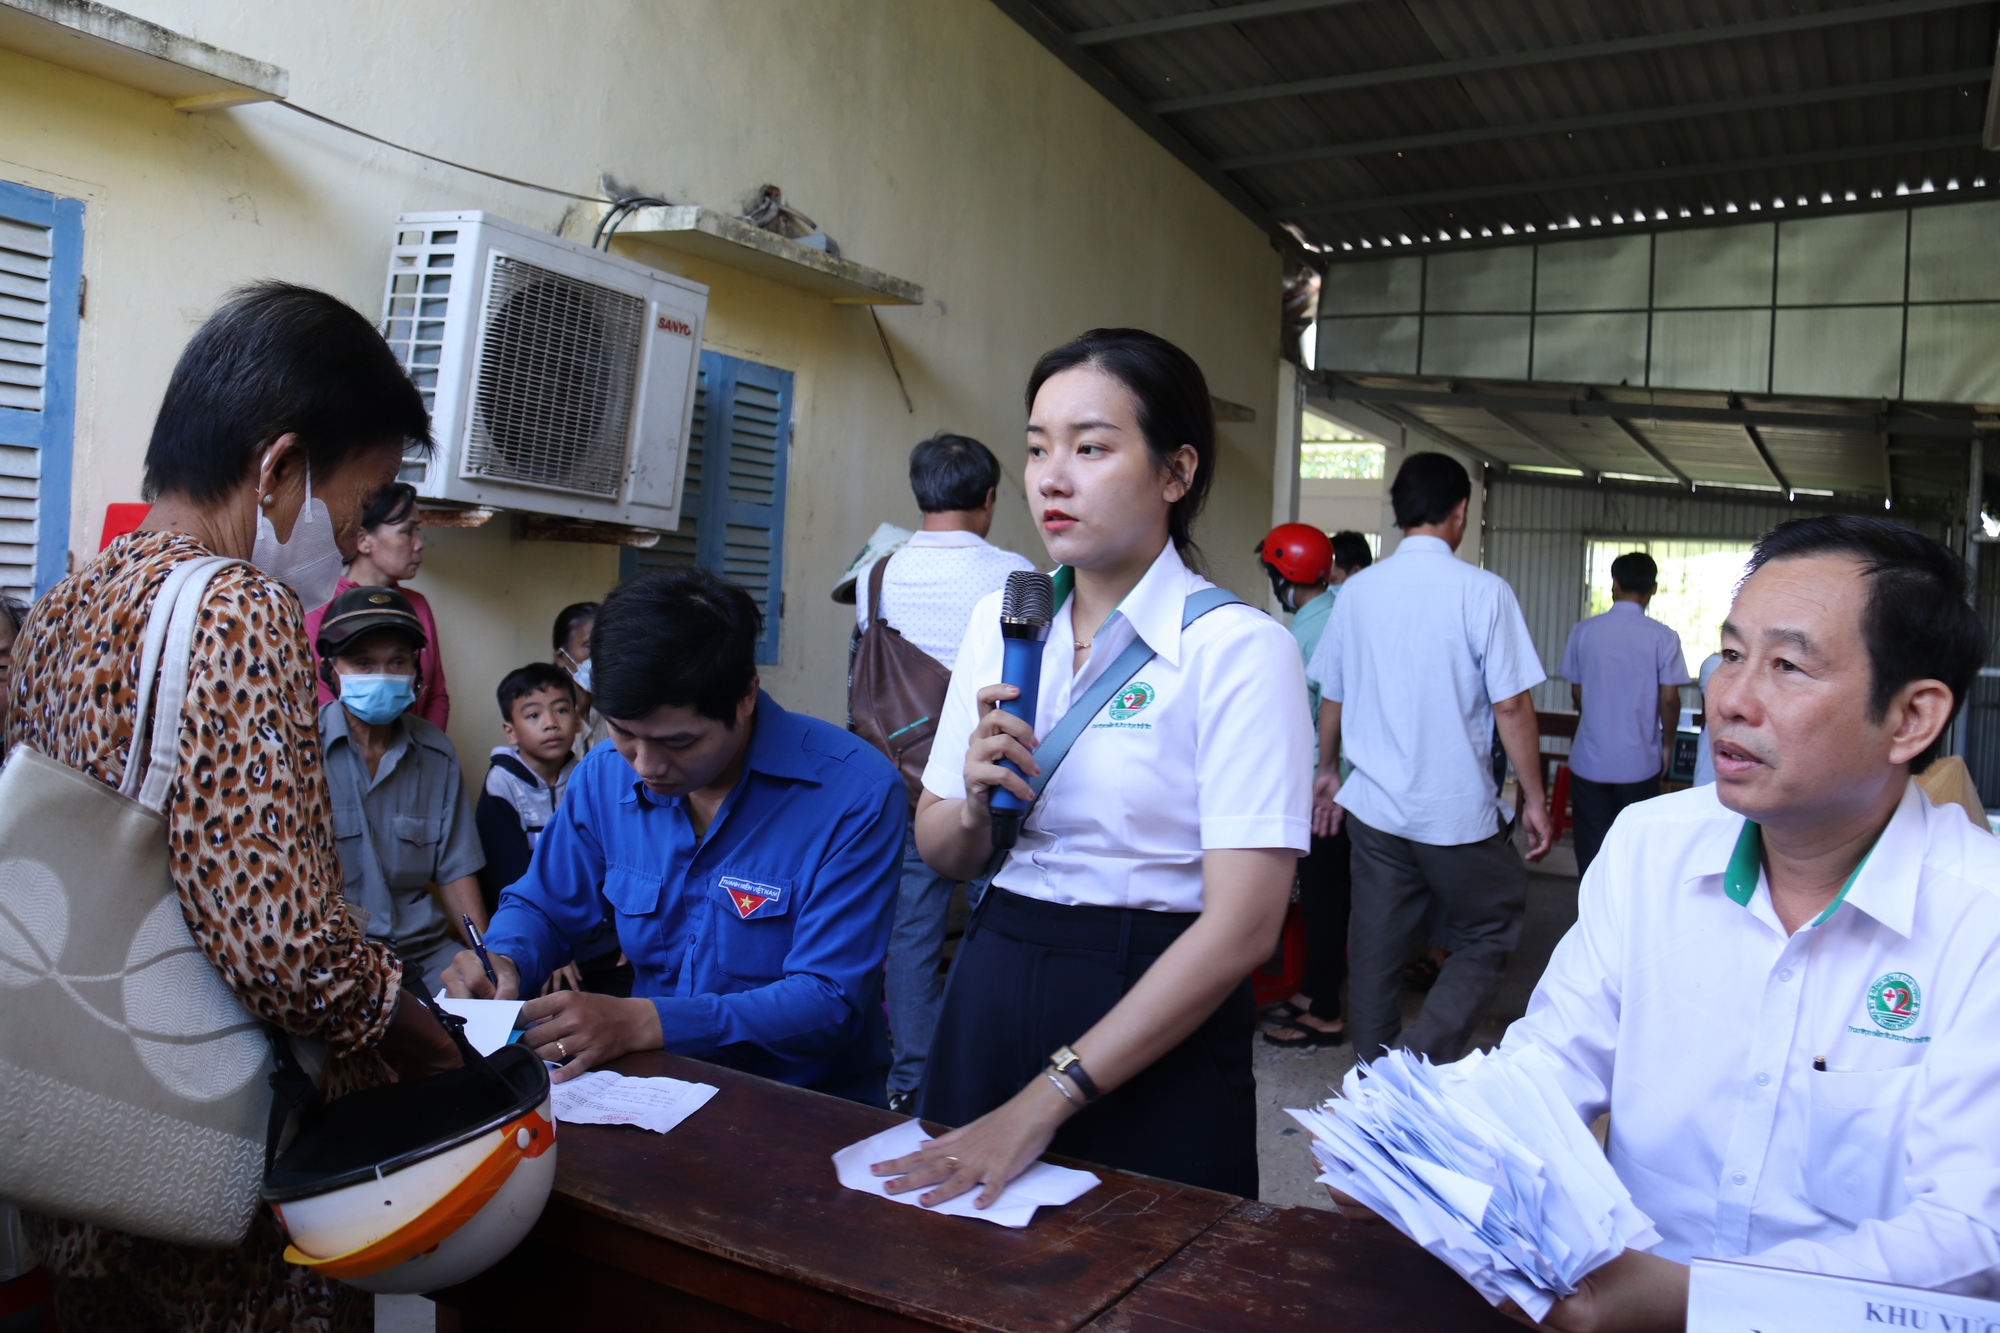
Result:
268,501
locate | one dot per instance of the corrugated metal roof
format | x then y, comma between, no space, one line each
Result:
1604,114
1914,454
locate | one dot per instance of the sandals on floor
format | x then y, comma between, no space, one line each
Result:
1284,1013
1306,1038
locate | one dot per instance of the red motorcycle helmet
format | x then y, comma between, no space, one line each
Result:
1300,552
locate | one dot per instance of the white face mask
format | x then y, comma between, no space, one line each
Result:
583,676
309,564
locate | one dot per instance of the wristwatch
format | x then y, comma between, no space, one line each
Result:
1066,1061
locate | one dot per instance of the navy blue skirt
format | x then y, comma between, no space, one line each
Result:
1032,976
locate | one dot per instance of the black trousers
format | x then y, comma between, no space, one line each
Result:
1596,805
1032,976
1326,896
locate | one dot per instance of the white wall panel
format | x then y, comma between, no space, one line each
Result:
1489,346
1729,266
1385,343
1954,354
1611,274
1841,261
1481,280
1608,348
1385,286
1711,349
1955,253
1847,353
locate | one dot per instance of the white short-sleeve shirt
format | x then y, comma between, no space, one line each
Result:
1679,1004
1203,749
931,584
1419,648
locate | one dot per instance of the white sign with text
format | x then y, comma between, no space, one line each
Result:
1726,1297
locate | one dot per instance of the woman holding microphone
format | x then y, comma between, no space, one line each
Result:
1100,1003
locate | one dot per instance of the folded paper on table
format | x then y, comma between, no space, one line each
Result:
1043,1184
601,1097
489,1024
1730,1297
1484,1164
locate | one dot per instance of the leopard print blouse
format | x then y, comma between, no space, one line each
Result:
253,853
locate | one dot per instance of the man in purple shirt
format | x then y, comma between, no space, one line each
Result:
1625,672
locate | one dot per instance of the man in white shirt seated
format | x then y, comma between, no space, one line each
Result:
929,585
1785,987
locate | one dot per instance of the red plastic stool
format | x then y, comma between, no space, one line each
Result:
1280,977
1559,804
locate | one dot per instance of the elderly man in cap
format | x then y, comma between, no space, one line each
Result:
401,814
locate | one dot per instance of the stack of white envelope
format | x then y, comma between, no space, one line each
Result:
1485,1165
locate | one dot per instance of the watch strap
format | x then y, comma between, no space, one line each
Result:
1068,1062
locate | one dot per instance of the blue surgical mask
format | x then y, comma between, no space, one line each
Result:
583,676
377,699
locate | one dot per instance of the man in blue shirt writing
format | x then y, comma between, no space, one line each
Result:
749,856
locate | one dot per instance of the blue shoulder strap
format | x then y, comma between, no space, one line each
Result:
1056,745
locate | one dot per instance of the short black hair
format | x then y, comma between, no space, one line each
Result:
531,679
952,472
1351,553
391,504
1916,622
674,638
1174,407
567,620
275,359
1427,488
1635,571
15,610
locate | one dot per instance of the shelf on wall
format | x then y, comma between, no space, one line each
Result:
707,234
126,50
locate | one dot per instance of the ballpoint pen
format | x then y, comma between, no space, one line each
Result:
479,947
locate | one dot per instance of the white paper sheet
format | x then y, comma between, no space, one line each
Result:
1485,1165
1043,1184
601,1097
489,1024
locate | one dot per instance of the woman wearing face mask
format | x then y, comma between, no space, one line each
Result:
390,550
284,414
401,814
1100,1004
572,644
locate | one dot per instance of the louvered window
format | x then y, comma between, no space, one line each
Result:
733,502
41,245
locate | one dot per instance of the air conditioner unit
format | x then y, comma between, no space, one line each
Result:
560,379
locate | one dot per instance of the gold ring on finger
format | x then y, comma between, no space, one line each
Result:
560,1051
951,1162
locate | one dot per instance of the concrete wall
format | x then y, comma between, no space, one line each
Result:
932,138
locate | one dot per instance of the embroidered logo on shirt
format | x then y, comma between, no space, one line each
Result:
1132,699
751,897
1894,1001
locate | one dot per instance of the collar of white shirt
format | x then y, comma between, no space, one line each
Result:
1422,545
950,537
1884,885
1153,608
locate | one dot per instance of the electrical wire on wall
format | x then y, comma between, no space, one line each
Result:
608,225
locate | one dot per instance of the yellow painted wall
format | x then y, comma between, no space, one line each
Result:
932,138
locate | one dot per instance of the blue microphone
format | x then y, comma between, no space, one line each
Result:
1026,607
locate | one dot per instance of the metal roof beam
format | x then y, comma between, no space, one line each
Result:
1632,433
1610,120
1542,442
1447,69
1992,136
1201,18
1570,184
1906,424
1411,421
1763,453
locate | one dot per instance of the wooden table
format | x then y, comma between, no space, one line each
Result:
736,1221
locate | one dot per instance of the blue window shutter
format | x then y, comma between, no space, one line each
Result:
733,503
41,276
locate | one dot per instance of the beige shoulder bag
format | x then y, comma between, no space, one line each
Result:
133,1088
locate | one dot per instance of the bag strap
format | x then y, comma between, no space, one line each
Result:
1056,745
165,658
875,588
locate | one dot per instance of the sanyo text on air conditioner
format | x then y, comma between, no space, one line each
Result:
560,379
